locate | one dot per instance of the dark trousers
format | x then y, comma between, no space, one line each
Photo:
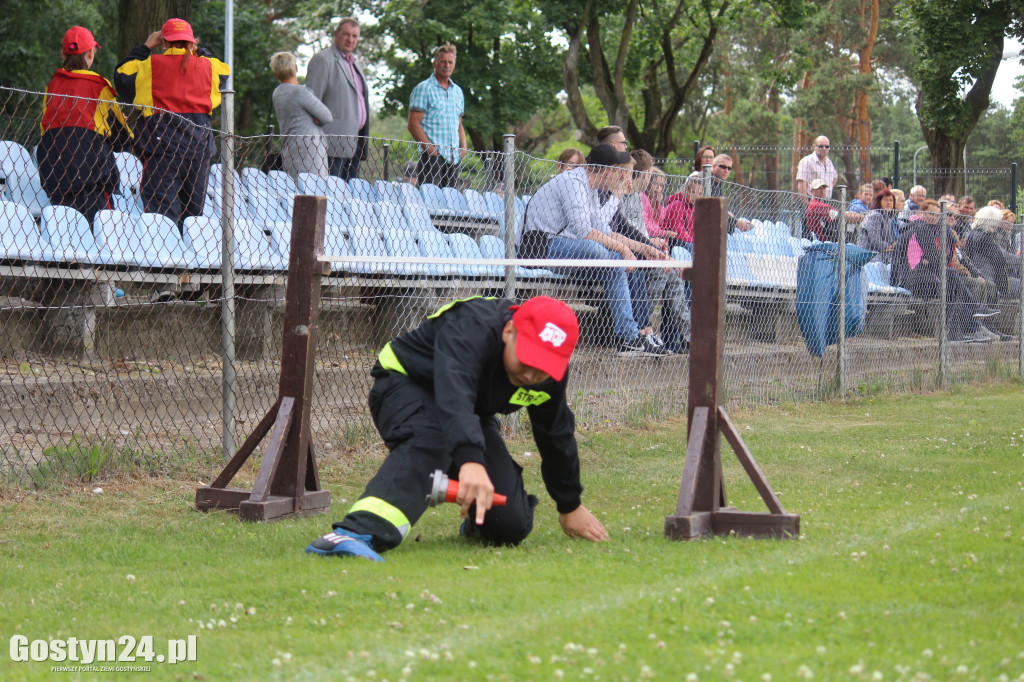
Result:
346,169
408,420
960,303
86,201
437,170
174,186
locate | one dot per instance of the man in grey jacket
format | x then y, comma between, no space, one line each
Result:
337,80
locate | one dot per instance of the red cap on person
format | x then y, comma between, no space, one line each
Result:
177,29
546,334
78,40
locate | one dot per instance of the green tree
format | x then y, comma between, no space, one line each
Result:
507,67
959,44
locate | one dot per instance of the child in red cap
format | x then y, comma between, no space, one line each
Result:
80,114
436,393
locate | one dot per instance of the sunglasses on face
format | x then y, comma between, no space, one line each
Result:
823,146
728,168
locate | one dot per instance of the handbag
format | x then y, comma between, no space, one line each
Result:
534,244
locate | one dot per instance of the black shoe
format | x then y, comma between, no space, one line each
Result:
633,348
984,312
654,347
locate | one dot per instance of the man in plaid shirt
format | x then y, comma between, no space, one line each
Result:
435,121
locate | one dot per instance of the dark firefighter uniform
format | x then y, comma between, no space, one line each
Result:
436,392
173,137
76,163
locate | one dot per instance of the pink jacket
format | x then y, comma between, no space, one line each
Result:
652,216
677,220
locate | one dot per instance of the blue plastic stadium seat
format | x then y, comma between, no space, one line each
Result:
495,204
456,202
463,246
69,238
390,192
368,242
270,207
20,240
253,249
494,248
337,213
14,156
434,245
331,186
363,190
478,208
256,180
411,194
417,218
336,244
116,233
363,213
25,189
130,203
203,238
737,272
402,243
682,255
161,243
391,215
129,168
283,183
434,198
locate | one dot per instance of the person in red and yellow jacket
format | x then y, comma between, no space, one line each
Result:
177,92
76,162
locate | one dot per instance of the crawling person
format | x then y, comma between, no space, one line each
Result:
436,393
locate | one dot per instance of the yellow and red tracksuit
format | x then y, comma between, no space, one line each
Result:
174,137
76,163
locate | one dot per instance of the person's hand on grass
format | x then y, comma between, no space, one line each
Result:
475,486
580,523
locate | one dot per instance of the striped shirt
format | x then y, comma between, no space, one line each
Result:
811,168
442,109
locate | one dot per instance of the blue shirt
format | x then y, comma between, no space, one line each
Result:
442,109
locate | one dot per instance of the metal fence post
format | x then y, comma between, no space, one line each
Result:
387,163
510,212
1013,187
227,265
943,341
707,180
896,164
841,264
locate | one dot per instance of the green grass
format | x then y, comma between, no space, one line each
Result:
908,565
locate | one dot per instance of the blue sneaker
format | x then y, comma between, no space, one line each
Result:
344,543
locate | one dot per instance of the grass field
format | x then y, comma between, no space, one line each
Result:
908,566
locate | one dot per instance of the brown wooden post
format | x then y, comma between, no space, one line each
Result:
288,482
700,509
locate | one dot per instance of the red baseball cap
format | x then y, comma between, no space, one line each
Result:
78,40
177,29
546,334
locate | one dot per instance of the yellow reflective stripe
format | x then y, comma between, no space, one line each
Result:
388,360
448,306
526,397
388,512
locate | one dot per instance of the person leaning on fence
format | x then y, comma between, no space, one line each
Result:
721,167
436,394
916,266
177,92
563,221
80,112
336,78
820,219
994,264
301,115
881,228
436,106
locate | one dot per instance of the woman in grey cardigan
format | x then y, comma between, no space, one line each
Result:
881,228
300,113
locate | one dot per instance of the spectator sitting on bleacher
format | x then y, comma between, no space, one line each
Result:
863,198
677,222
177,92
881,228
994,264
662,285
820,220
653,201
76,163
569,158
916,267
705,156
300,113
1005,236
721,167
563,221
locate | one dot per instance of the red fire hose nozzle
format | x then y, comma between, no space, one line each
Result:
444,490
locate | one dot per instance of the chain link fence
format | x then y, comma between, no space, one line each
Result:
120,345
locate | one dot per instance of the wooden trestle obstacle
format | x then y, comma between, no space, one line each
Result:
288,482
702,508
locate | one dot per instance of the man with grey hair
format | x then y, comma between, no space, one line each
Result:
336,78
436,106
917,196
721,167
817,165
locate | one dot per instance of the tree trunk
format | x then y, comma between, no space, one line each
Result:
138,18
947,152
861,101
